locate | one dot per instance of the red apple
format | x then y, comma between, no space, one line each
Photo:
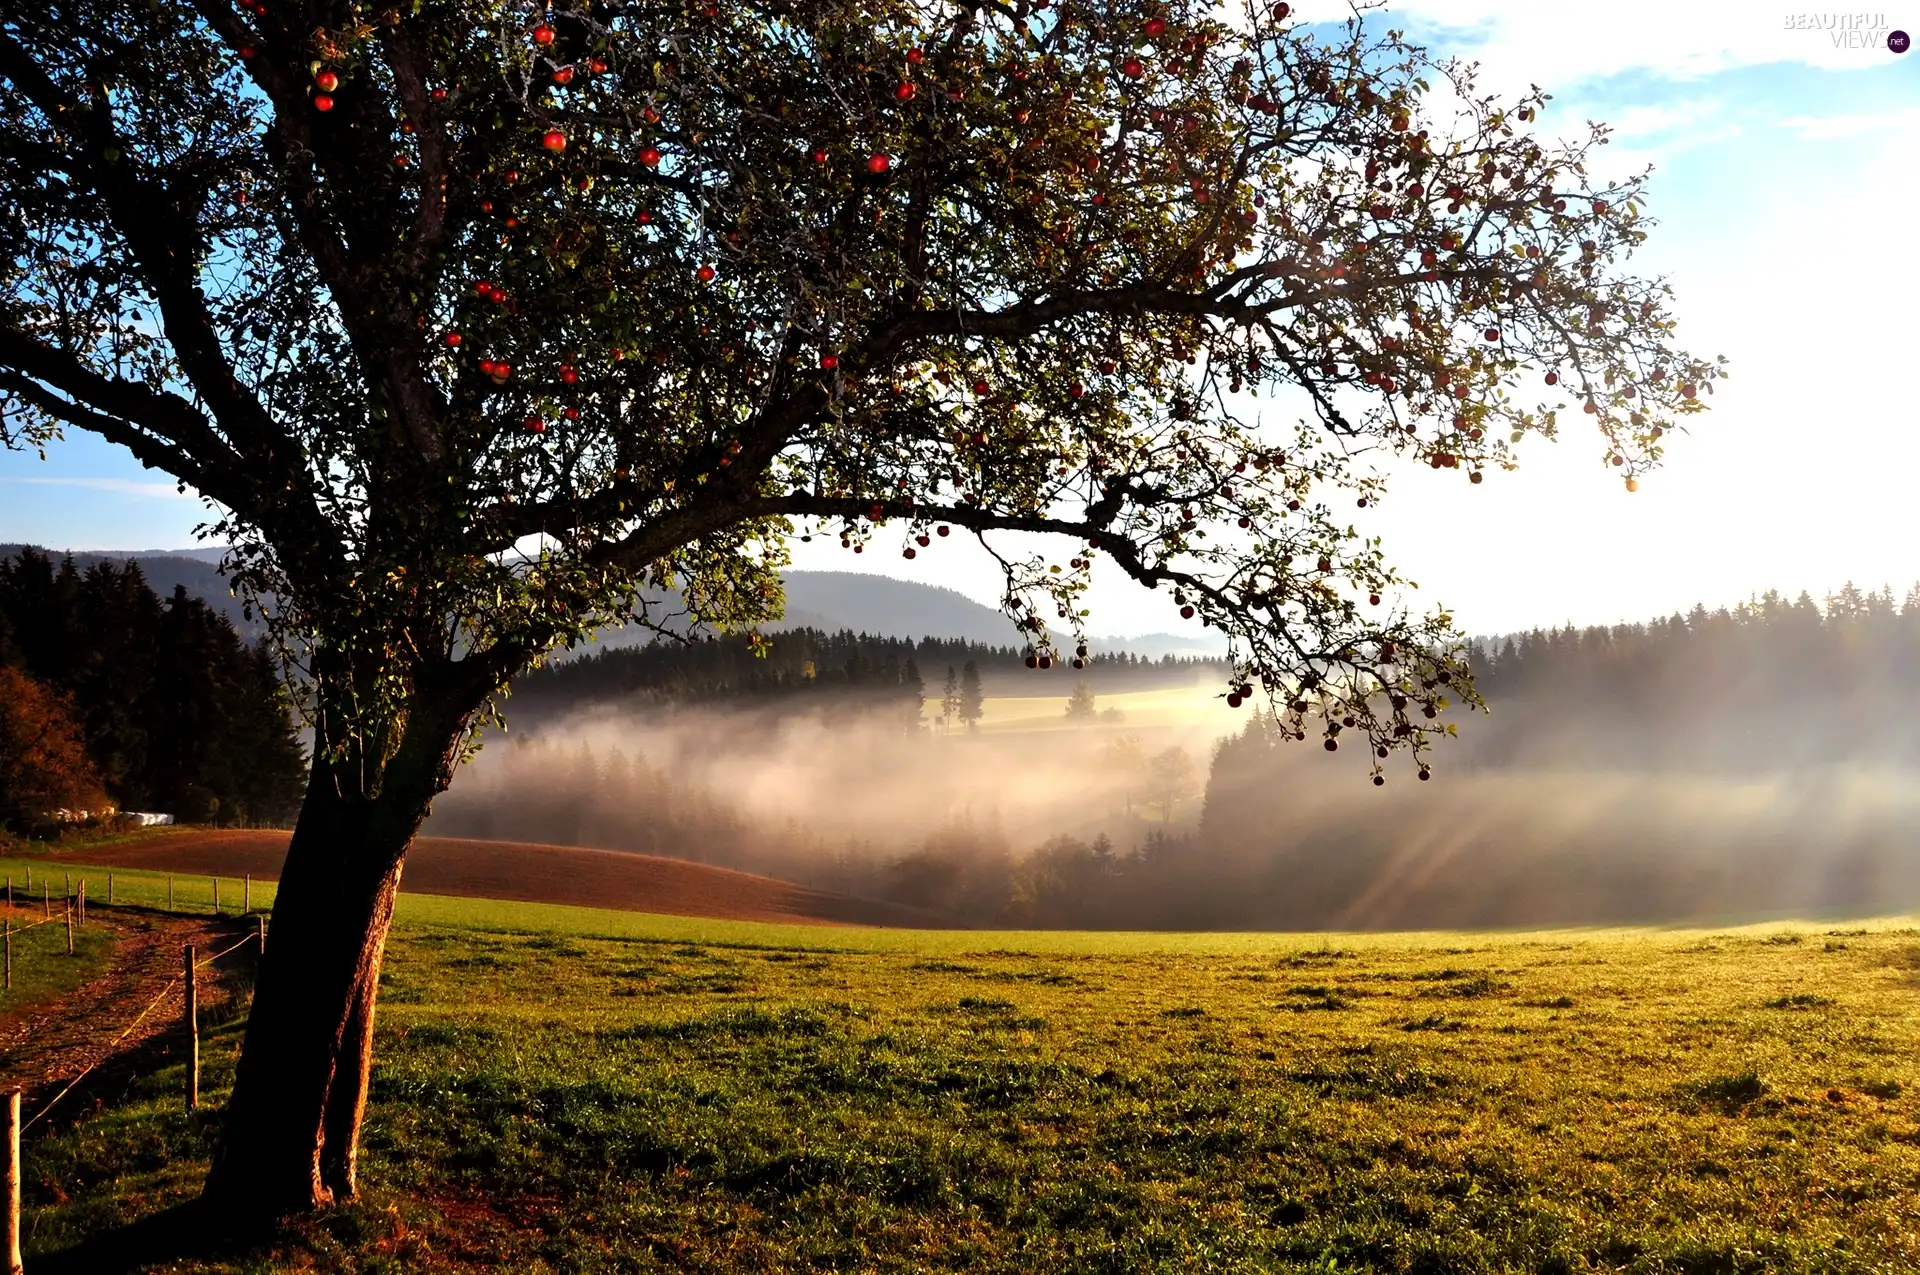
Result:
326,81
879,162
555,140
322,102
650,156
543,34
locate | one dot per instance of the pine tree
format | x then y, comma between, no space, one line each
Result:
972,702
915,693
950,699
1080,705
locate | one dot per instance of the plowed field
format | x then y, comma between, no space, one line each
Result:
531,874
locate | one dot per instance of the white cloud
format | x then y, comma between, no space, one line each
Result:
1815,128
117,486
1522,42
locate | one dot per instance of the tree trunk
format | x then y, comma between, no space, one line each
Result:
292,1125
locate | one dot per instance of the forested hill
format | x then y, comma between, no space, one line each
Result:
169,709
195,570
1765,686
802,665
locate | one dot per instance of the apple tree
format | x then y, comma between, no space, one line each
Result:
481,325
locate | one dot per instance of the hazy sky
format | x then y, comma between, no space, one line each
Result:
1785,164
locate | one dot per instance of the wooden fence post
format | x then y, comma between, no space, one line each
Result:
13,1184
191,1022
246,899
109,889
169,894
260,928
69,927
46,899
9,894
9,951
80,900
216,896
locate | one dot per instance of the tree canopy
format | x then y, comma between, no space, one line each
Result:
44,766
475,318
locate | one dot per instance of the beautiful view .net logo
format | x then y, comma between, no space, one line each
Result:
1852,30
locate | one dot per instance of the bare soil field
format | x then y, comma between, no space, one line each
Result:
529,873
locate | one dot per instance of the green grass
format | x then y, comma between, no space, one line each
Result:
698,1096
43,971
191,894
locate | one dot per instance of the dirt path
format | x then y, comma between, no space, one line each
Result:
46,1044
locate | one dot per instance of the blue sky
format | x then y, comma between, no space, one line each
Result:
1787,182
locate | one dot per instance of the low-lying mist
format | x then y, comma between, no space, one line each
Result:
1185,824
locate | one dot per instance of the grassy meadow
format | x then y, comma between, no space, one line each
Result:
562,1090
42,969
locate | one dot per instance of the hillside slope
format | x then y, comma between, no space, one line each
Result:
528,873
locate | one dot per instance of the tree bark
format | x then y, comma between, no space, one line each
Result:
291,1133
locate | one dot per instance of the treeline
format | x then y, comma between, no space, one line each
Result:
803,662
171,712
1769,685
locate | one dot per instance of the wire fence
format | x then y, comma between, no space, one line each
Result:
75,905
159,999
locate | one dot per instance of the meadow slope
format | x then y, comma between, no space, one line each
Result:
519,872
771,1098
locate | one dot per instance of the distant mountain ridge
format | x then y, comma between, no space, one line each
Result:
827,600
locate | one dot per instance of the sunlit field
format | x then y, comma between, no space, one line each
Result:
571,1090
1186,708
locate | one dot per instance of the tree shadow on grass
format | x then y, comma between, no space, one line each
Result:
181,1232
